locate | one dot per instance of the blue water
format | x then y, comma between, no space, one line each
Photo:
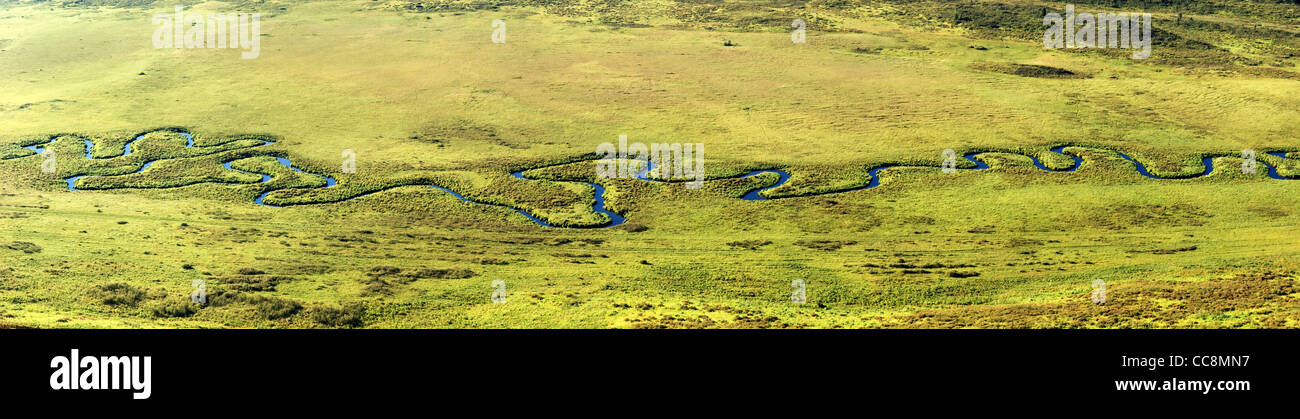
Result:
1206,161
1059,150
261,197
873,174
329,181
598,206
752,195
530,216
615,218
644,173
1272,171
979,164
39,150
126,149
265,178
260,200
782,176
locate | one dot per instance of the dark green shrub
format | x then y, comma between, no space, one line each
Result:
376,286
176,309
118,293
271,308
254,283
444,273
347,316
384,270
275,308
749,244
25,247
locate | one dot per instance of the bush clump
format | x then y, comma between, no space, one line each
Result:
25,247
1028,70
254,282
270,308
827,245
118,293
274,308
376,286
382,270
176,309
347,316
455,273
749,244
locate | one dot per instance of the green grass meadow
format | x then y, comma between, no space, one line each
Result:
424,97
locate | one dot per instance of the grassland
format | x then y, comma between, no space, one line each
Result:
422,95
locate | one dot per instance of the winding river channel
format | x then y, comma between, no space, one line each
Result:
599,204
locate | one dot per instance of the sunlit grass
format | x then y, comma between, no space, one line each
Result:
424,97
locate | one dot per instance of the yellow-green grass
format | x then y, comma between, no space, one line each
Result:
426,98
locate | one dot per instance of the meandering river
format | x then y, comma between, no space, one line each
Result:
599,204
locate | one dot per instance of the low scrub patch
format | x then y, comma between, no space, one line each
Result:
349,315
176,308
118,293
25,247
1028,70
